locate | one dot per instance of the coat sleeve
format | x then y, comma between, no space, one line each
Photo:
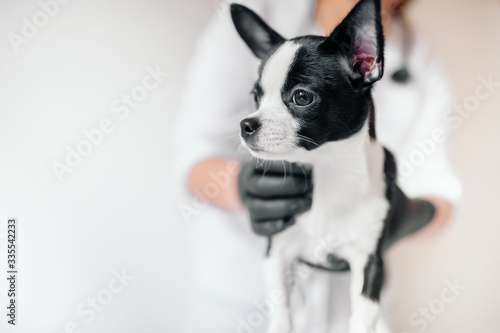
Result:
424,163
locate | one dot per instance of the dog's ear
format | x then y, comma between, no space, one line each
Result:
361,42
259,37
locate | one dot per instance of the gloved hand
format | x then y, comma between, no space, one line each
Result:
407,217
274,192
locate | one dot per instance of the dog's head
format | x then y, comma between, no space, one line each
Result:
310,89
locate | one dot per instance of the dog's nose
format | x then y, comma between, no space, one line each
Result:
249,126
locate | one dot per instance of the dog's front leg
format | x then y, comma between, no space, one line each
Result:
275,268
366,286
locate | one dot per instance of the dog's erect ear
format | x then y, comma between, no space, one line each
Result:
255,32
360,39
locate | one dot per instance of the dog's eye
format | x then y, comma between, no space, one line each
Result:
257,93
256,99
302,98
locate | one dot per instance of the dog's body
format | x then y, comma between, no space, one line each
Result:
314,106
346,220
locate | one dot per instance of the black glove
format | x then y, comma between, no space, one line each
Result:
407,217
274,192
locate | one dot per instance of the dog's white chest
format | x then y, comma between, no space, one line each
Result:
349,208
346,234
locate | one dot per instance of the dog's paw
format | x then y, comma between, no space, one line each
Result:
281,324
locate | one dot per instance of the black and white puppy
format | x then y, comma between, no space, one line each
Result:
314,106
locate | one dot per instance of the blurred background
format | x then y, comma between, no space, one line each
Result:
116,213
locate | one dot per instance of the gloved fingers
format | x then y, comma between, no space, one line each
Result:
409,216
271,186
420,214
277,208
281,168
253,181
271,227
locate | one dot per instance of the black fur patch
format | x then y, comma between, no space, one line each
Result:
373,278
374,269
339,109
390,172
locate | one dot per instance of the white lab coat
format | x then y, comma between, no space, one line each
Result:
227,279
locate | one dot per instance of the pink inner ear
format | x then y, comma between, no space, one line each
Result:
366,54
367,61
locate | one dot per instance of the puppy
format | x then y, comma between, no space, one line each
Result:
314,106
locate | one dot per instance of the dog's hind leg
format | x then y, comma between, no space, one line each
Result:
312,313
366,286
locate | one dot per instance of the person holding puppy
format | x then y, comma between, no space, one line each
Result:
410,102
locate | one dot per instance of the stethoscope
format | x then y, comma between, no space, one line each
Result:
402,75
